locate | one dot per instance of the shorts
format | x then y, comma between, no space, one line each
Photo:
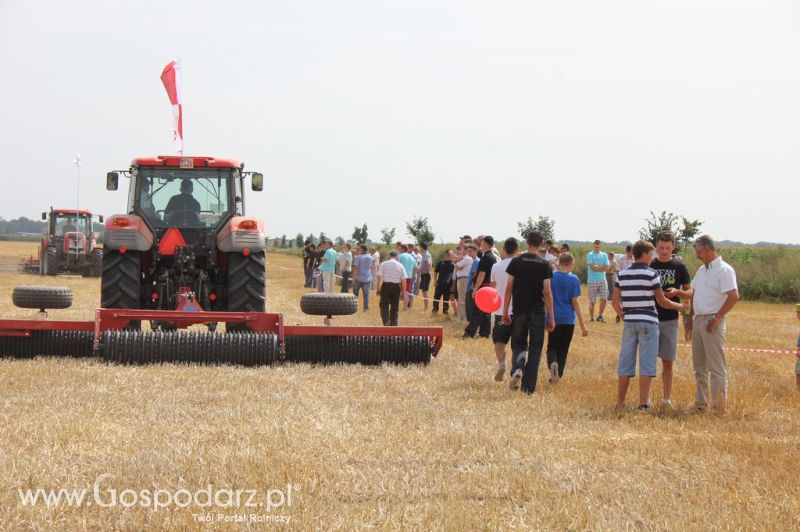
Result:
408,285
668,340
501,332
424,281
597,289
642,337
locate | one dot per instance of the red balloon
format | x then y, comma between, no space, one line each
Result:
487,299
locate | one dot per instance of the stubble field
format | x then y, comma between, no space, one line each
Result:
436,447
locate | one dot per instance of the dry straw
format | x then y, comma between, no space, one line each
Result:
439,447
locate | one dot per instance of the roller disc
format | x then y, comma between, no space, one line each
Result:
48,343
137,347
368,350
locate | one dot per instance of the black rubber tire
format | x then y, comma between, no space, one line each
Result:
42,297
329,304
246,286
94,268
50,258
121,281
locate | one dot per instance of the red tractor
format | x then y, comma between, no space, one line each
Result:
69,243
186,242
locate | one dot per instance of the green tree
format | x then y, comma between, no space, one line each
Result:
689,229
283,241
543,224
312,238
387,236
419,229
338,241
299,241
360,234
654,224
321,237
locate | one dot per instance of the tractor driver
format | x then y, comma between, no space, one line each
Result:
183,208
68,226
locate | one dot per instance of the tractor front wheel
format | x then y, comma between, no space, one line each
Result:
246,281
120,282
94,267
50,262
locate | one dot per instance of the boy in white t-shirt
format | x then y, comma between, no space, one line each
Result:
501,332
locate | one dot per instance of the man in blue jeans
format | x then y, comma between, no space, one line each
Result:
362,274
635,294
528,287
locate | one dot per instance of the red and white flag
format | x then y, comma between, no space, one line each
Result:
171,78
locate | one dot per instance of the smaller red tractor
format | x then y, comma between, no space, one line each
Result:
69,243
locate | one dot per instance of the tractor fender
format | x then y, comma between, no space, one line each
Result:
128,231
242,232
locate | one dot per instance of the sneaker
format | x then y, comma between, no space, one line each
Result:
498,375
591,319
554,378
667,403
516,379
600,319
644,407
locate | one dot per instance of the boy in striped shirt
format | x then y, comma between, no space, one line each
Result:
635,294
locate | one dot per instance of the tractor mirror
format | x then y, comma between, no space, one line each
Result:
100,218
257,182
112,181
44,216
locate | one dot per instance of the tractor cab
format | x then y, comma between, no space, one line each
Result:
185,237
63,222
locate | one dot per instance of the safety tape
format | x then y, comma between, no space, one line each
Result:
738,349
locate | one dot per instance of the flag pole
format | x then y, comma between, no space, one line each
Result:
77,163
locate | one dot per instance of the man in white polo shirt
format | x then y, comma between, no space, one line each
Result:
715,294
391,284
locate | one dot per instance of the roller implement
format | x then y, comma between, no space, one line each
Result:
187,254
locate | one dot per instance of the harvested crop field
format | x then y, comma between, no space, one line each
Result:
429,447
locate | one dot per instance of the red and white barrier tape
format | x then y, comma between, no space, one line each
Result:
738,349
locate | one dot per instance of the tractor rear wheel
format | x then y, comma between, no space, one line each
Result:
42,297
50,264
246,281
120,282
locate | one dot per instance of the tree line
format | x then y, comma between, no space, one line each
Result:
419,229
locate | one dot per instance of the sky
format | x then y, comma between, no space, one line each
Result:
475,115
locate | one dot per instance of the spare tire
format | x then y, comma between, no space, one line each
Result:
42,297
327,304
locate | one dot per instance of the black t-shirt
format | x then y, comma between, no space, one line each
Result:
445,270
673,274
529,271
309,257
485,266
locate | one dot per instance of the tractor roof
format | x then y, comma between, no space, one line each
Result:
80,212
178,161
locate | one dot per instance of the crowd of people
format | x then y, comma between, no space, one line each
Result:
649,288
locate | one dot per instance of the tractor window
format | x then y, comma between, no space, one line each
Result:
70,223
184,198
